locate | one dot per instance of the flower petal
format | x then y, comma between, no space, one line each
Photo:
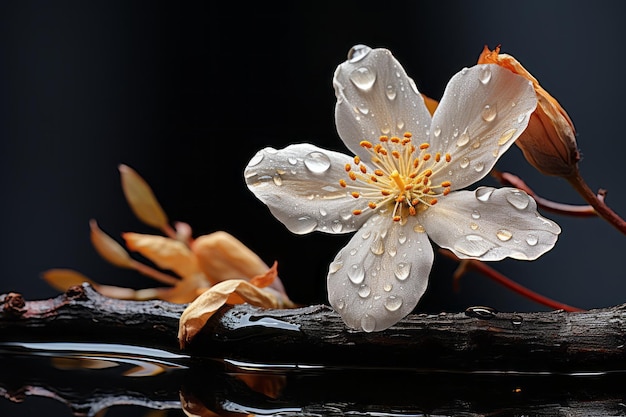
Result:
300,185
376,97
490,224
483,111
379,277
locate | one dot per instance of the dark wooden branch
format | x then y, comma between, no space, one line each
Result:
476,340
473,363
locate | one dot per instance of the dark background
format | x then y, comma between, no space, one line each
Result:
187,92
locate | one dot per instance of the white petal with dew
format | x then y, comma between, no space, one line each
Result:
300,185
490,224
376,97
483,111
379,277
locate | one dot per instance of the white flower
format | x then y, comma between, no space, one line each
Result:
402,186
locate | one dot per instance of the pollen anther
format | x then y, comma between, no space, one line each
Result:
355,194
342,182
366,144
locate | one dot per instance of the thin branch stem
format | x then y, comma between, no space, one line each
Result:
507,282
507,178
154,273
597,201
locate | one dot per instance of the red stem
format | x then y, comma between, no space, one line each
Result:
597,202
510,284
507,178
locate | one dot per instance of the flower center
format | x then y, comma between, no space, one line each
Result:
401,177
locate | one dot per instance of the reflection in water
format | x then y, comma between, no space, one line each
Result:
97,379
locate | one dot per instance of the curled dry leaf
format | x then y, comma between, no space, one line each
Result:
232,291
141,198
108,248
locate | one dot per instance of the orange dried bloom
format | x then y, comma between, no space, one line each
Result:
549,141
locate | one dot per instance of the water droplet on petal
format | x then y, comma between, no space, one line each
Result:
401,237
473,226
378,246
317,162
479,167
400,124
506,136
358,52
256,159
521,118
391,92
393,303
336,226
368,323
517,320
356,273
489,113
472,245
387,287
401,270
323,212
363,78
504,235
437,132
485,75
418,228
532,240
305,225
475,215
392,251
463,139
483,193
464,162
341,303
364,291
518,199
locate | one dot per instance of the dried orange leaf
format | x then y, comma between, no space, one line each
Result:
165,252
199,311
141,199
108,248
62,279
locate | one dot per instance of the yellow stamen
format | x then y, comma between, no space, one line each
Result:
395,175
355,194
342,182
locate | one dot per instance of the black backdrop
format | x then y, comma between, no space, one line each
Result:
187,92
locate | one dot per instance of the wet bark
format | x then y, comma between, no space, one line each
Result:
478,340
304,361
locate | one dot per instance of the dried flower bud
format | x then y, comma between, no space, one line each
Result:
549,141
